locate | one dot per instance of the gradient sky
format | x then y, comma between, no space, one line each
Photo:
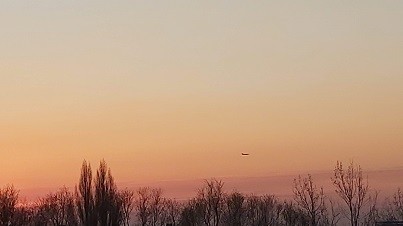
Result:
170,90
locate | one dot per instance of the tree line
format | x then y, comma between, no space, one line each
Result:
97,201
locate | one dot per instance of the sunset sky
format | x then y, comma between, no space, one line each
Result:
175,90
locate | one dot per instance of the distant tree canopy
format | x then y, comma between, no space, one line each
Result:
97,201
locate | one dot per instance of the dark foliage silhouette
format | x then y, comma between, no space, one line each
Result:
84,196
108,203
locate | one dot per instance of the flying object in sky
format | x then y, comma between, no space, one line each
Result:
244,154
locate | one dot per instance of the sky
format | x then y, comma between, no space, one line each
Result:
176,90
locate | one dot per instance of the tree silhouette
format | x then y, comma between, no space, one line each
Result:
57,209
173,210
142,204
263,210
309,198
8,201
270,209
293,216
108,201
252,210
373,213
334,215
398,204
235,209
98,202
352,189
156,207
127,199
212,198
193,213
23,215
102,193
85,197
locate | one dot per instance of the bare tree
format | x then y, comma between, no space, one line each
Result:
252,210
398,203
310,198
293,216
23,215
393,209
8,202
212,196
270,210
127,197
352,189
47,209
193,213
173,211
142,204
262,210
57,208
66,205
157,207
373,213
334,215
235,209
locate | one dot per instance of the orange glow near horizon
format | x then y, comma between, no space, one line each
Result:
163,92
